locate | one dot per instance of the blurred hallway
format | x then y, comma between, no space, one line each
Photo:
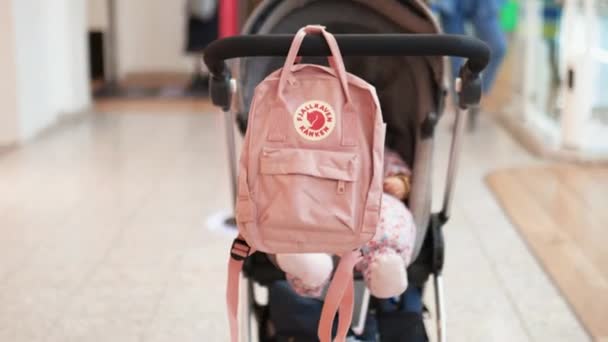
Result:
113,162
104,237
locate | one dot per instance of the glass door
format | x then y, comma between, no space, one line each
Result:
543,70
599,117
585,121
566,72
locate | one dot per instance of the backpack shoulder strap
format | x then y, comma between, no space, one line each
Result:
339,299
239,251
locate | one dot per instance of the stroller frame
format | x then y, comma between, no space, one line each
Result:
467,86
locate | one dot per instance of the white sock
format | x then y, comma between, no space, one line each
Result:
387,276
313,269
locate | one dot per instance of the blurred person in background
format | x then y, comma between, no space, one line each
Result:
552,13
483,16
509,18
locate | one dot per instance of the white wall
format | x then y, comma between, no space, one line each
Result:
32,66
68,53
49,62
97,14
8,78
151,34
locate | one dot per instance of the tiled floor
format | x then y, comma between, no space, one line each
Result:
103,238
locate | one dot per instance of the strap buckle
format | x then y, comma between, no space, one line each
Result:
239,250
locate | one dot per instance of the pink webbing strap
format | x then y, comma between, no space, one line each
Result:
335,60
240,250
345,313
340,296
337,64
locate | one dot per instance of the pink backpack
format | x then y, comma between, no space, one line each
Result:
310,177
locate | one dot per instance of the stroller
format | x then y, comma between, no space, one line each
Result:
396,46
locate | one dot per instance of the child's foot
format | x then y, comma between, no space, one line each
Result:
387,276
307,273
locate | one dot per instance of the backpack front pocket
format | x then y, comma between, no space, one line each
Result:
308,191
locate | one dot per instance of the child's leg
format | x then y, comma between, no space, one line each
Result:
387,256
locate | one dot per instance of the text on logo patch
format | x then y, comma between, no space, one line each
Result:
314,120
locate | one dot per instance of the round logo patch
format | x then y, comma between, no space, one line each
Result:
314,120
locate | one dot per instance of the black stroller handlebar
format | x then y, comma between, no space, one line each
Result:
477,52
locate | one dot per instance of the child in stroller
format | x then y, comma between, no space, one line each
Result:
411,92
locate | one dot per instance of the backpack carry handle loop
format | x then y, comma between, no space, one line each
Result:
335,60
